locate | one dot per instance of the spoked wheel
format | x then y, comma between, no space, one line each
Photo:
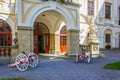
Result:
22,62
89,57
33,59
81,58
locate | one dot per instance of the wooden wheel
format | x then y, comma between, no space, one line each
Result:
89,57
22,62
33,59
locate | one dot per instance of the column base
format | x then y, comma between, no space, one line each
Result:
96,55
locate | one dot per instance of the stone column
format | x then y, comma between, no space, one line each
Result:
57,43
25,38
52,43
72,41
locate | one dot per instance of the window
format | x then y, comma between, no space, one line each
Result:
108,10
107,38
5,34
90,7
62,40
63,36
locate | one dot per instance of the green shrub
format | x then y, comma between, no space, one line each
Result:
12,78
113,66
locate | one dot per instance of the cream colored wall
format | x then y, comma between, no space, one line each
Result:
7,6
8,14
99,16
31,11
100,21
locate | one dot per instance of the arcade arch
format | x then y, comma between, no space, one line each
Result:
45,27
52,16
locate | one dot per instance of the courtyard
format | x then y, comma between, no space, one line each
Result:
66,69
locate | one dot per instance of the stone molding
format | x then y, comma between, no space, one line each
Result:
25,28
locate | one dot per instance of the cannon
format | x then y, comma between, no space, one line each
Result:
82,56
24,60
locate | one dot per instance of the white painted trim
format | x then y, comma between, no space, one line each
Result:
46,6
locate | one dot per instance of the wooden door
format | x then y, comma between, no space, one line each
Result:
63,46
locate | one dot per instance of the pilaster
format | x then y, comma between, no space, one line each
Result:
57,43
72,41
52,43
25,35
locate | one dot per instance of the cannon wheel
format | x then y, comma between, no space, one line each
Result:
22,65
89,57
33,59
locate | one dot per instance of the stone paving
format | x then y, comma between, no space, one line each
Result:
61,69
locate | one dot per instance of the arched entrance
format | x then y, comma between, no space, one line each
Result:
51,15
108,36
49,37
41,38
5,38
63,39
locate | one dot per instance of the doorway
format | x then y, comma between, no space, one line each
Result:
63,40
108,39
41,38
41,45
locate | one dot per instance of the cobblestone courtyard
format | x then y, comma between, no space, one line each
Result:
61,69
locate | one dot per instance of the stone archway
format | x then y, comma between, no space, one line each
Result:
51,20
39,13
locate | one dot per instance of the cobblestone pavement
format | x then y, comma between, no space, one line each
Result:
61,69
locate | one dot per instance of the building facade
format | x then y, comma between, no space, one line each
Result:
106,16
42,26
57,26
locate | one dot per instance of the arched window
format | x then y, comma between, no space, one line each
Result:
5,34
63,39
63,36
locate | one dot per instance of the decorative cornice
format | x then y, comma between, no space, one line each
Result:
25,28
73,30
65,2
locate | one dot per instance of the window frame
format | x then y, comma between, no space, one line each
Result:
63,38
107,38
108,9
91,7
5,34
